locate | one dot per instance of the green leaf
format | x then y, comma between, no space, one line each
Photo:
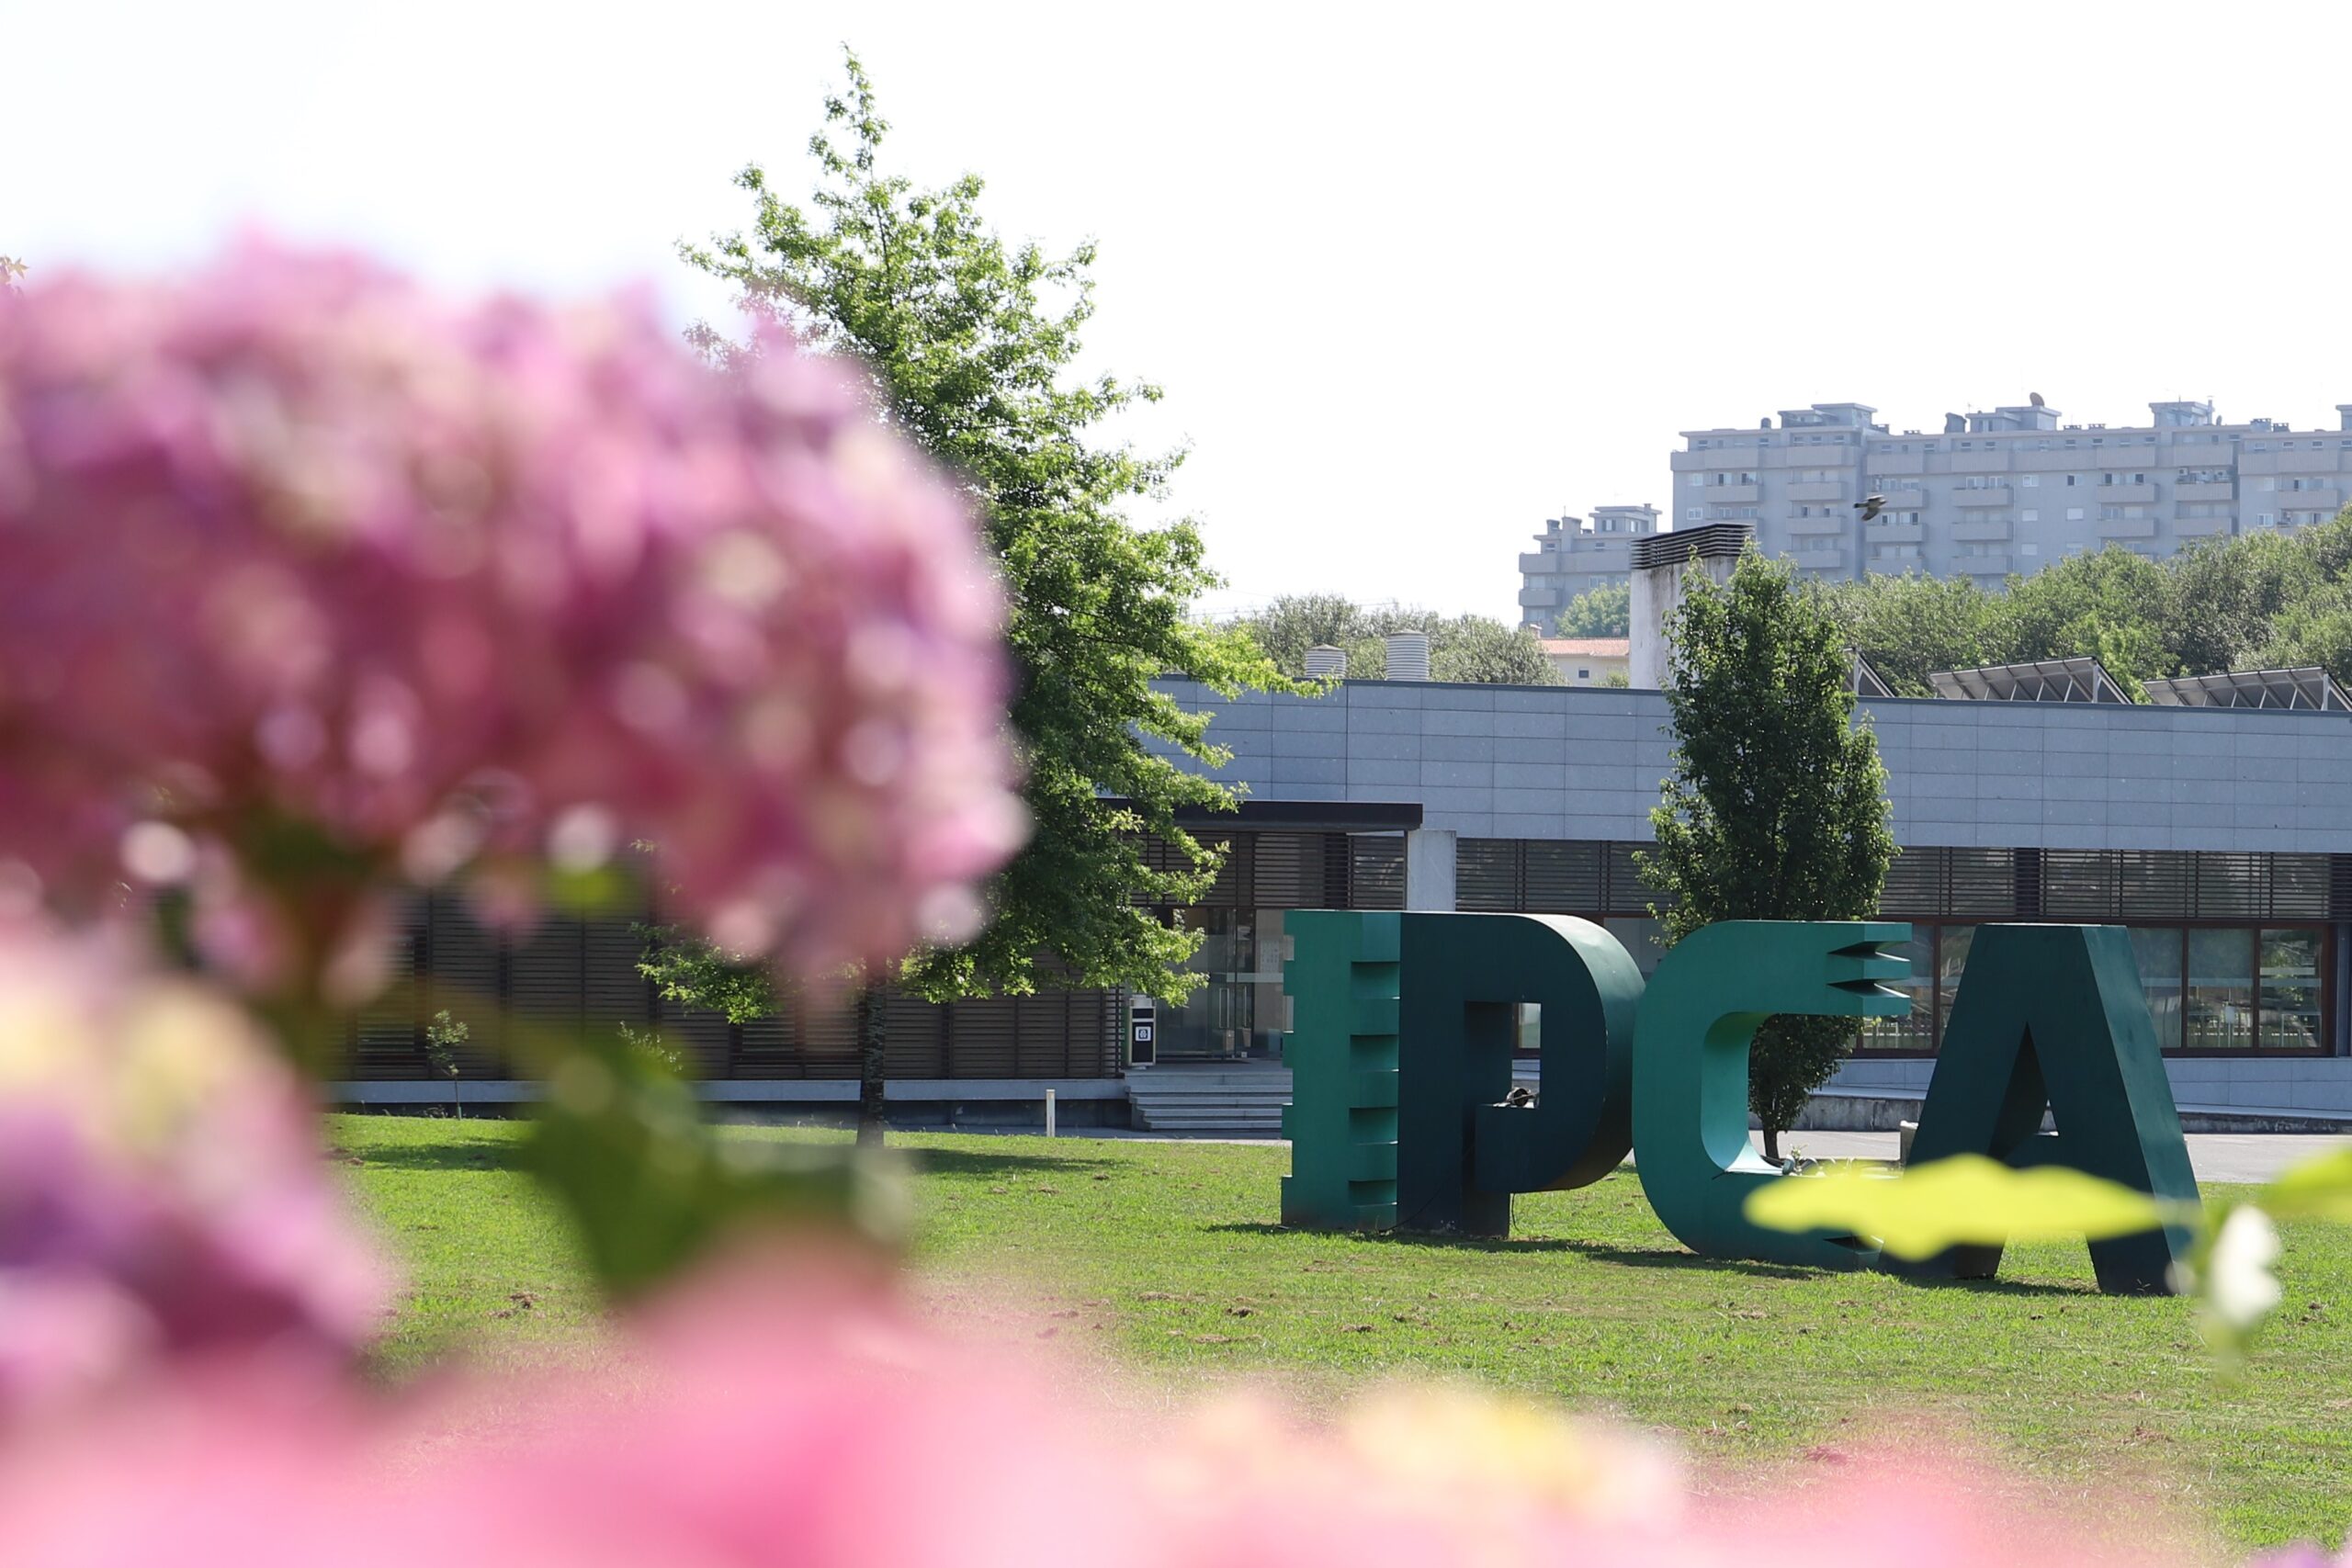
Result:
2318,1188
653,1189
1962,1200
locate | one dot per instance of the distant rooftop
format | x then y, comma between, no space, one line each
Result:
2044,680
1587,647
2307,686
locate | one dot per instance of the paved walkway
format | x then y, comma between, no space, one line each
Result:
2215,1156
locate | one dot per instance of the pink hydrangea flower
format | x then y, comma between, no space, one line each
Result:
302,565
762,1426
161,1189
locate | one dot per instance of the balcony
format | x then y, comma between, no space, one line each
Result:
2198,527
1822,524
1994,462
1973,529
1725,495
2127,527
1538,595
1817,489
1882,532
2328,500
1981,566
2189,490
2124,495
1820,563
1991,495
1535,563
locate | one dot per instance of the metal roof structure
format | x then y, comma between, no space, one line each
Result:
2307,686
1866,679
2044,680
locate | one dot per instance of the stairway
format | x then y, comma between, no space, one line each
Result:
1238,1102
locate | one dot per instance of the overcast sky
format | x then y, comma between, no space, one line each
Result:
1412,286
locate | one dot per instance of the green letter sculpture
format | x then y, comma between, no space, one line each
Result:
1412,1093
1341,1120
2053,1018
1711,992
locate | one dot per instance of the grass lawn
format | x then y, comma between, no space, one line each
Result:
1168,1258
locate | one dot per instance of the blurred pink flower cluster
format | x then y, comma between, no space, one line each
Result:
162,1195
293,547
757,1429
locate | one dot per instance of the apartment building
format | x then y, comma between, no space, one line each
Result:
1573,555
2008,489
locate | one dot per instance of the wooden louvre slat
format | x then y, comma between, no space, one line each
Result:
468,968
2155,885
2299,888
1562,878
2078,885
1486,875
2232,886
386,1040
918,1031
1915,884
1377,877
980,1039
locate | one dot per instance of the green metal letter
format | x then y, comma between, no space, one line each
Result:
1341,1120
1710,993
1451,1150
2053,1018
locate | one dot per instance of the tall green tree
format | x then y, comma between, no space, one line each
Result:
2109,605
969,344
1776,808
1605,611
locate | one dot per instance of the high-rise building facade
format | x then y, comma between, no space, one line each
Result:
1573,555
2008,490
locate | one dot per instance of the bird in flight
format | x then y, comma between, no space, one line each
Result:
1871,506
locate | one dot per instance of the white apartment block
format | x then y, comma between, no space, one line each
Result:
1573,557
2011,490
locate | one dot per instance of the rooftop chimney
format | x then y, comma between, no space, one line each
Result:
1660,564
1408,656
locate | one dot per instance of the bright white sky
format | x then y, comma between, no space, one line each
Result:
1414,278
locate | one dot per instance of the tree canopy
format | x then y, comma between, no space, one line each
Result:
1606,611
1473,649
2257,601
970,344
1776,808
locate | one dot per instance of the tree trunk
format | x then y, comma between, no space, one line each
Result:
1771,1142
872,1016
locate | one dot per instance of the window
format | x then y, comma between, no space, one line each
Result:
2266,481
2030,515
1693,514
2032,481
2074,515
2073,479
1697,482
1584,674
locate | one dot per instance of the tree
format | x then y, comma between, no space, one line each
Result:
1605,611
967,344
1776,808
1473,648
1912,625
2108,605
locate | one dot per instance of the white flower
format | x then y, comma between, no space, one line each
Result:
2239,1287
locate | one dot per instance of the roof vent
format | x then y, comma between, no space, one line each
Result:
1323,660
1408,656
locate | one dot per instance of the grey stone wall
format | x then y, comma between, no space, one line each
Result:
1543,763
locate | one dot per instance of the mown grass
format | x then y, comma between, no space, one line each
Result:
1168,1258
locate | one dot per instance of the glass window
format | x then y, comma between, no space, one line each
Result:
2217,1014
2158,948
1952,960
2291,991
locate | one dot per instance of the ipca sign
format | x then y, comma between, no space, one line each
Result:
1404,1026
